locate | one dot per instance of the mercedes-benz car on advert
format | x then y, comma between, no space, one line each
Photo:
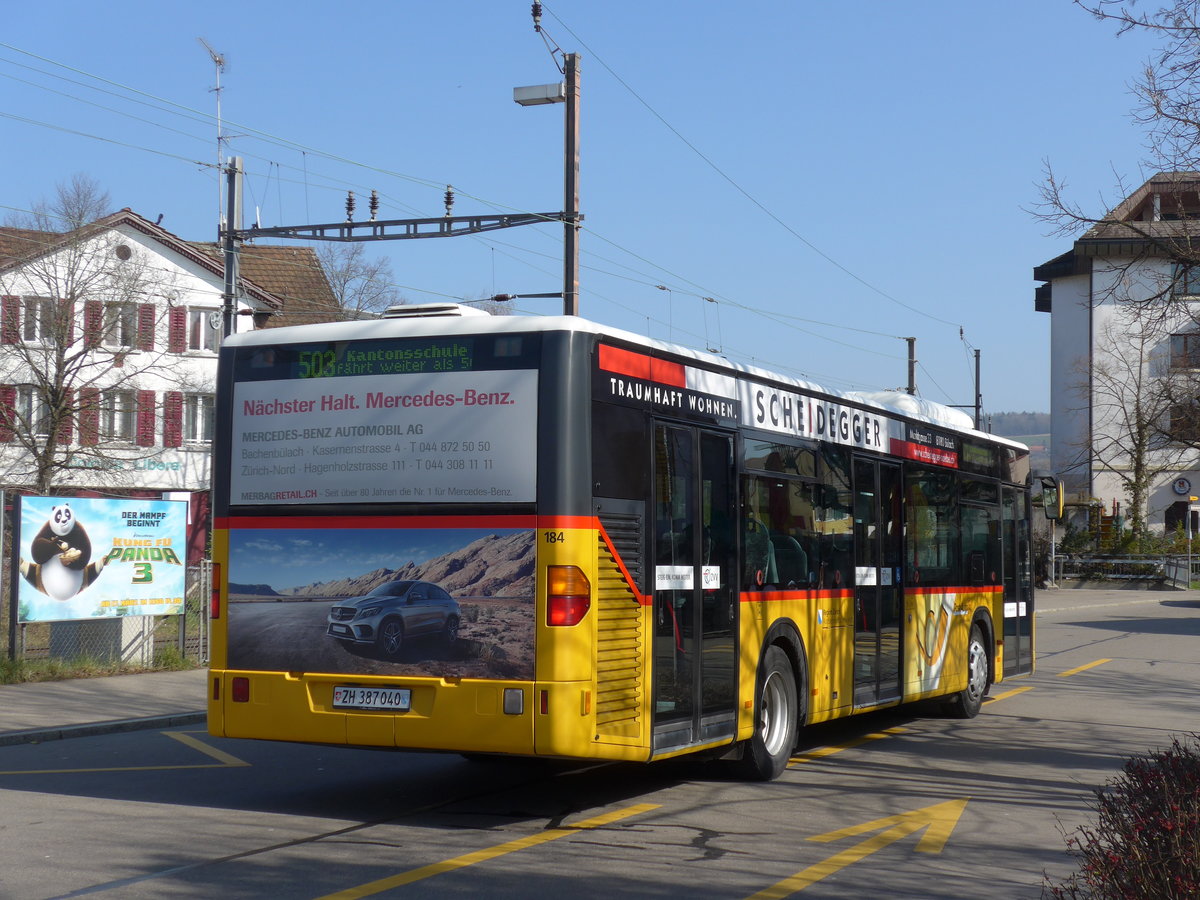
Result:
394,612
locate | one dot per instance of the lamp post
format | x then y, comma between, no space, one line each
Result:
565,92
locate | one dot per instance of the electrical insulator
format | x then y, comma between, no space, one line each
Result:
537,17
448,199
374,205
350,206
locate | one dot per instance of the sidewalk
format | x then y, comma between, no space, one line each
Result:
50,710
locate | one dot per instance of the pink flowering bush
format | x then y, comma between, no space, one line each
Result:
1145,844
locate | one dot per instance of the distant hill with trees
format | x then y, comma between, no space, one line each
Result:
1030,428
1020,424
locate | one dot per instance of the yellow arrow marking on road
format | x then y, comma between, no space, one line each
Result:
939,819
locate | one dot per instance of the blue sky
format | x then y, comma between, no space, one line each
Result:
837,176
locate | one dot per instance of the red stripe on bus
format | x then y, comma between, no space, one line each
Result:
286,522
567,522
812,594
847,593
229,522
639,365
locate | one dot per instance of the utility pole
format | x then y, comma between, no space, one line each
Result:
978,395
442,226
571,189
912,365
978,404
229,239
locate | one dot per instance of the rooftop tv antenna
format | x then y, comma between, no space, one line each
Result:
219,62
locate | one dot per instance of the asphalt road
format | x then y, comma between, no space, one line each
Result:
903,805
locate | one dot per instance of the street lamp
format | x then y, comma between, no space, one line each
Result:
568,93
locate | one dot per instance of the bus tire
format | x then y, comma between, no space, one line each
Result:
391,637
766,754
966,703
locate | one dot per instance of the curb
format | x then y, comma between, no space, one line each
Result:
118,726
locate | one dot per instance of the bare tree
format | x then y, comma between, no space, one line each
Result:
1167,93
80,340
362,286
1135,425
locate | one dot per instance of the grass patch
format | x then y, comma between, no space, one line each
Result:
23,671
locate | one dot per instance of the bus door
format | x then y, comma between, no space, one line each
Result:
695,587
1018,597
878,602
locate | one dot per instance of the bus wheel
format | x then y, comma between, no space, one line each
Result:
966,703
766,754
391,637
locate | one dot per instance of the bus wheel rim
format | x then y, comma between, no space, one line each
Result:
773,720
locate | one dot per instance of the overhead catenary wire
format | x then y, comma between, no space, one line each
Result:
697,290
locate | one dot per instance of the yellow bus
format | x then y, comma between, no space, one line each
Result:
448,531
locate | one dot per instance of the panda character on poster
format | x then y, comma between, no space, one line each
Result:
62,555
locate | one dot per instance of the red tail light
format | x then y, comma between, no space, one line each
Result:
240,690
214,600
569,597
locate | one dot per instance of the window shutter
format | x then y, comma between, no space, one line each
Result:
145,337
145,418
173,419
89,416
66,425
8,406
10,320
93,323
66,312
177,330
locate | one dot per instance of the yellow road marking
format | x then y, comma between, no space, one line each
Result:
195,743
939,818
1007,694
822,752
1078,669
224,761
478,856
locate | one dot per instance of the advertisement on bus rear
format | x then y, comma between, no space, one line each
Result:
427,437
415,596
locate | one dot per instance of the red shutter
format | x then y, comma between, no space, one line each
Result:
8,408
10,320
66,425
177,330
93,323
145,418
66,311
173,419
89,416
145,337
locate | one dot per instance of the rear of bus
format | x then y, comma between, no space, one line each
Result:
401,554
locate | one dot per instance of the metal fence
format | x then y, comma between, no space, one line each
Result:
142,641
1171,571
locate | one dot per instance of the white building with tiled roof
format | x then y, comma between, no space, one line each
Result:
1124,303
108,340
